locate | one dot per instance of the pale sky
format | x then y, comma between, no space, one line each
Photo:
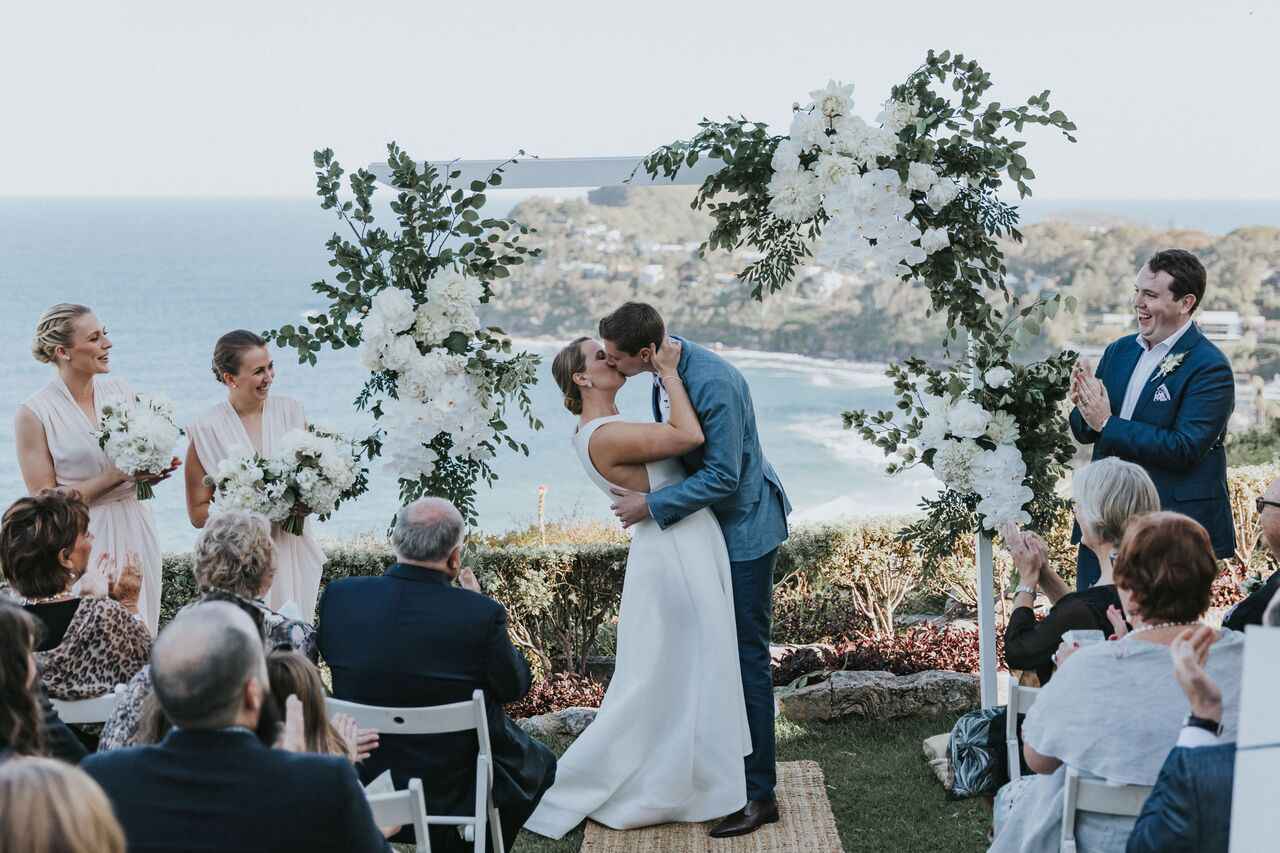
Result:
1174,99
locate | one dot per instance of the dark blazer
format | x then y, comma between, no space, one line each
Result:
729,473
1251,610
1178,441
223,790
1189,810
411,639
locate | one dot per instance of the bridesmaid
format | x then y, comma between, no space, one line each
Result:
249,417
56,447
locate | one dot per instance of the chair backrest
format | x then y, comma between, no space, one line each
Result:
435,720
84,711
402,808
1020,700
1089,794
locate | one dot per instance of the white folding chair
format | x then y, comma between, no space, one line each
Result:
398,808
1090,794
1020,700
438,720
84,711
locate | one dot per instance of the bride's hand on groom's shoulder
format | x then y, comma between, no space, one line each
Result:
667,359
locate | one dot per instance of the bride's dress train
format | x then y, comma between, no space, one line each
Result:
669,740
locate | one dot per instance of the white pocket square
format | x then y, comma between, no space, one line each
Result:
1162,394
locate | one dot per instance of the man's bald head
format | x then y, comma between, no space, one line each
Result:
428,530
201,662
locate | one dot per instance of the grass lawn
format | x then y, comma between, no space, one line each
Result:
882,793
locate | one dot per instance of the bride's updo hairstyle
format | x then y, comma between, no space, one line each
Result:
56,328
569,361
230,349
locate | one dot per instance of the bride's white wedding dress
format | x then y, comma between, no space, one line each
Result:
668,742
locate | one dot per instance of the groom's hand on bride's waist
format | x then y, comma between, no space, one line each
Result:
630,507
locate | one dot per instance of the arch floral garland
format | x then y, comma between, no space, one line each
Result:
913,194
440,384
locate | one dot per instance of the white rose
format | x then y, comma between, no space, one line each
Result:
786,157
400,353
967,419
832,169
942,193
794,196
998,376
395,309
809,129
834,99
896,115
1003,428
921,177
934,240
933,432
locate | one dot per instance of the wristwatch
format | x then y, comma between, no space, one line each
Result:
1022,587
1213,727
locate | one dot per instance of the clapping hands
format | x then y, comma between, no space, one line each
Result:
1029,552
1090,396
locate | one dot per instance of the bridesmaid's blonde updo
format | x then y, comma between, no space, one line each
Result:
230,349
57,328
569,361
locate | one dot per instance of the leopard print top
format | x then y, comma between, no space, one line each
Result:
104,646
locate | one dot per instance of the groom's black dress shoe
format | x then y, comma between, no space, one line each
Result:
749,818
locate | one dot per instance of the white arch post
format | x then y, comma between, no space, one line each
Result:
549,173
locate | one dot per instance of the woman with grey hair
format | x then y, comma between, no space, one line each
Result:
1106,494
233,558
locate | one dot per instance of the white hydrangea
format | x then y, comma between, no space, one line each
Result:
786,157
967,419
452,302
394,308
934,239
850,136
809,130
832,169
877,142
794,196
998,376
953,464
896,115
138,436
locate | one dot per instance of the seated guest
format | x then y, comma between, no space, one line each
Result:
1189,810
215,776
51,807
409,639
89,644
21,717
233,557
291,674
1249,611
1114,710
1107,494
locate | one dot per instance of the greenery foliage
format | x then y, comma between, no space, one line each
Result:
439,230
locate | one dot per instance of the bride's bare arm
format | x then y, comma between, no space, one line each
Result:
623,443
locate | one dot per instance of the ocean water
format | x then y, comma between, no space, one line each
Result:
168,277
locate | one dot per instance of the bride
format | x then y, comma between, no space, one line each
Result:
669,740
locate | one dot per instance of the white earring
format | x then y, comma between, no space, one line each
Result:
589,385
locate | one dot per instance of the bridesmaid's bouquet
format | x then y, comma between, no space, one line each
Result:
138,437
314,470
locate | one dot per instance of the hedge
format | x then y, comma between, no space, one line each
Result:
833,583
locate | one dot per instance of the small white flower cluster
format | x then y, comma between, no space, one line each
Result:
435,391
952,429
313,468
138,436
832,161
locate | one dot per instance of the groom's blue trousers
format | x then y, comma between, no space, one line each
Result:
753,612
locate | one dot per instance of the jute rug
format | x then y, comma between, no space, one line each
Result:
807,825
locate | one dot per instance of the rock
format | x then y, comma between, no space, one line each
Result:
882,696
567,722
906,620
789,662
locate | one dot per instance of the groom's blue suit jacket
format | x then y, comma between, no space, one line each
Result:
729,473
1179,440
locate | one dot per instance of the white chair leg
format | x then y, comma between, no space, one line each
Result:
495,826
1069,794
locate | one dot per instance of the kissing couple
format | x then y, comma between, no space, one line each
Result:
691,693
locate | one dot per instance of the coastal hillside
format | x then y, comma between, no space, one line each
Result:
621,244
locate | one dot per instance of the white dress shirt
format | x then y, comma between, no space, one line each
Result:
1147,363
664,401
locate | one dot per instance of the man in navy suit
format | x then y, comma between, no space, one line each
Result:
410,638
1162,399
212,783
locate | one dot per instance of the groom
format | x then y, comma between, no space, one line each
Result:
1162,399
730,475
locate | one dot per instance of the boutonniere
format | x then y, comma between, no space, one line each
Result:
1170,364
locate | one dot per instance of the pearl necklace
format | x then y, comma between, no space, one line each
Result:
1159,625
48,599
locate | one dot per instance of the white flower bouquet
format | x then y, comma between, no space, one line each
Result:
313,471
138,437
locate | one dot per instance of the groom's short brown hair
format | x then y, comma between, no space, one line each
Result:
1186,270
634,326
